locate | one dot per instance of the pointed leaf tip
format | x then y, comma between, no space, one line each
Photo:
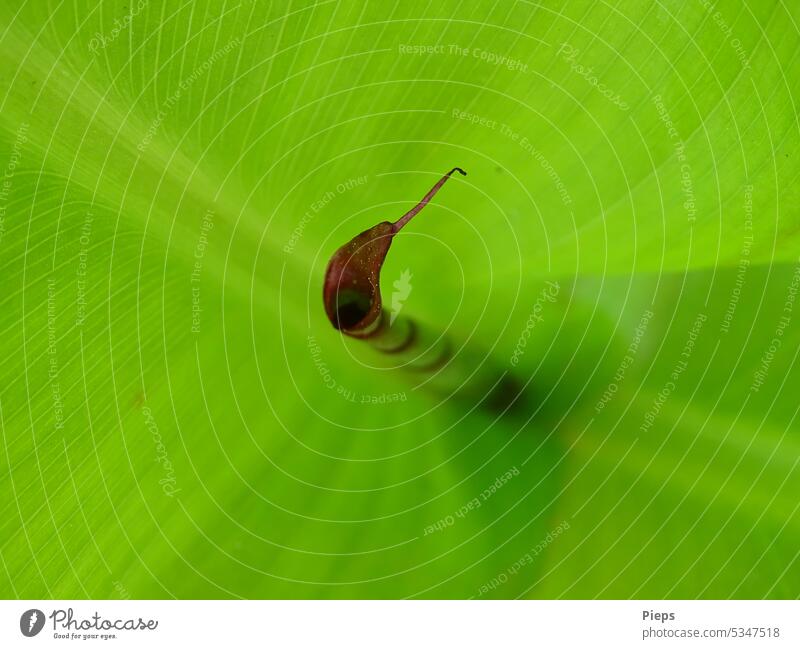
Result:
351,291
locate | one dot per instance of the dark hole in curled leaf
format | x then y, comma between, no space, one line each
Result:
351,308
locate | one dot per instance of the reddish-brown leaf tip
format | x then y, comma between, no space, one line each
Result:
351,291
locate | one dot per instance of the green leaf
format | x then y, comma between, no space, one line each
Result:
180,420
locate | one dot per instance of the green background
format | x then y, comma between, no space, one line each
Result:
122,128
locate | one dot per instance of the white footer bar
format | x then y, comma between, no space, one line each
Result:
382,624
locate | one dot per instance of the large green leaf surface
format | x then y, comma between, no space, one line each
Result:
178,418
